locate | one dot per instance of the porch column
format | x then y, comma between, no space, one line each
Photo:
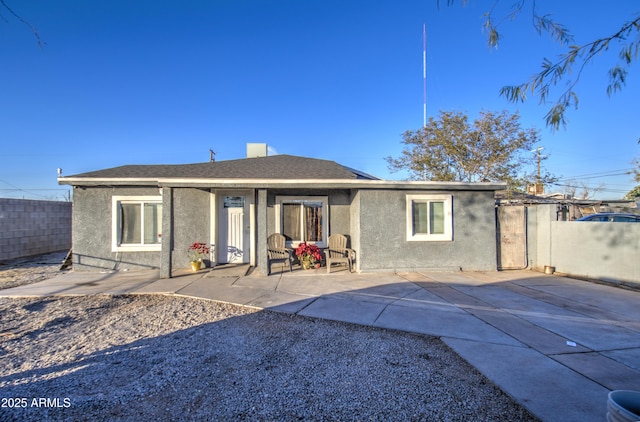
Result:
261,232
167,232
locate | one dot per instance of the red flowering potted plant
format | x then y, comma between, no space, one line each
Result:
196,252
308,255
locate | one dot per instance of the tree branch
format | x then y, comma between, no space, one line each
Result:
553,73
33,29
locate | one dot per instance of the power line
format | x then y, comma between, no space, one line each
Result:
7,183
15,188
619,172
598,188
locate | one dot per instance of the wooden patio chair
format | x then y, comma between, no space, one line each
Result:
277,252
338,253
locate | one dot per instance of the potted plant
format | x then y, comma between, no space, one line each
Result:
308,255
196,252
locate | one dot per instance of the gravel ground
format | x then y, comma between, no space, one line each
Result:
152,356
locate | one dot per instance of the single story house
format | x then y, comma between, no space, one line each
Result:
147,216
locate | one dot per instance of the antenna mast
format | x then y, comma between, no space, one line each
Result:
424,73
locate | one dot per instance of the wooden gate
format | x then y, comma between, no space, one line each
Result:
511,232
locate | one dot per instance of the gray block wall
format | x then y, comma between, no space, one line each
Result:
29,227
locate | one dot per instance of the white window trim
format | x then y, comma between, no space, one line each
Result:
447,236
300,200
115,224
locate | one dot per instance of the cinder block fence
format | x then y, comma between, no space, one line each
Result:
30,227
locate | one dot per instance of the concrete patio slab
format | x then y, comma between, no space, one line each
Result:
221,291
421,298
608,372
167,285
527,333
499,277
515,326
228,270
533,278
452,295
281,302
82,283
436,322
340,309
602,309
593,299
264,283
547,388
589,332
629,357
500,296
310,286
384,295
450,277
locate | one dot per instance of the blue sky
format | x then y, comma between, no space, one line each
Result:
158,81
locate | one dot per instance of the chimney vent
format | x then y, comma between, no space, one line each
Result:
256,150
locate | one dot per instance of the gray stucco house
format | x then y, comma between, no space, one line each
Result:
146,216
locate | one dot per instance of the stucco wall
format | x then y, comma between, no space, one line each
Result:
383,244
191,222
92,232
374,220
92,228
29,227
339,207
597,250
354,221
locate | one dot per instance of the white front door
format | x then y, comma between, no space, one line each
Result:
233,238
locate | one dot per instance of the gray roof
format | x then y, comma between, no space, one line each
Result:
281,171
288,167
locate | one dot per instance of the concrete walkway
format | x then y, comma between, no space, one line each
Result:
557,345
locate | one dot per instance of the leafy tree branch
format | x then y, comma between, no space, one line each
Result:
553,73
573,62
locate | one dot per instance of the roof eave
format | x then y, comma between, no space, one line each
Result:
283,183
116,181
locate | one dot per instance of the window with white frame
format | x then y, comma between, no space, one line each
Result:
429,218
302,219
136,223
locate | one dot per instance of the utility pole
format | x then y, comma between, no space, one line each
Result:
539,177
539,189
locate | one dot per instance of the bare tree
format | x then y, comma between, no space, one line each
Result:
582,190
